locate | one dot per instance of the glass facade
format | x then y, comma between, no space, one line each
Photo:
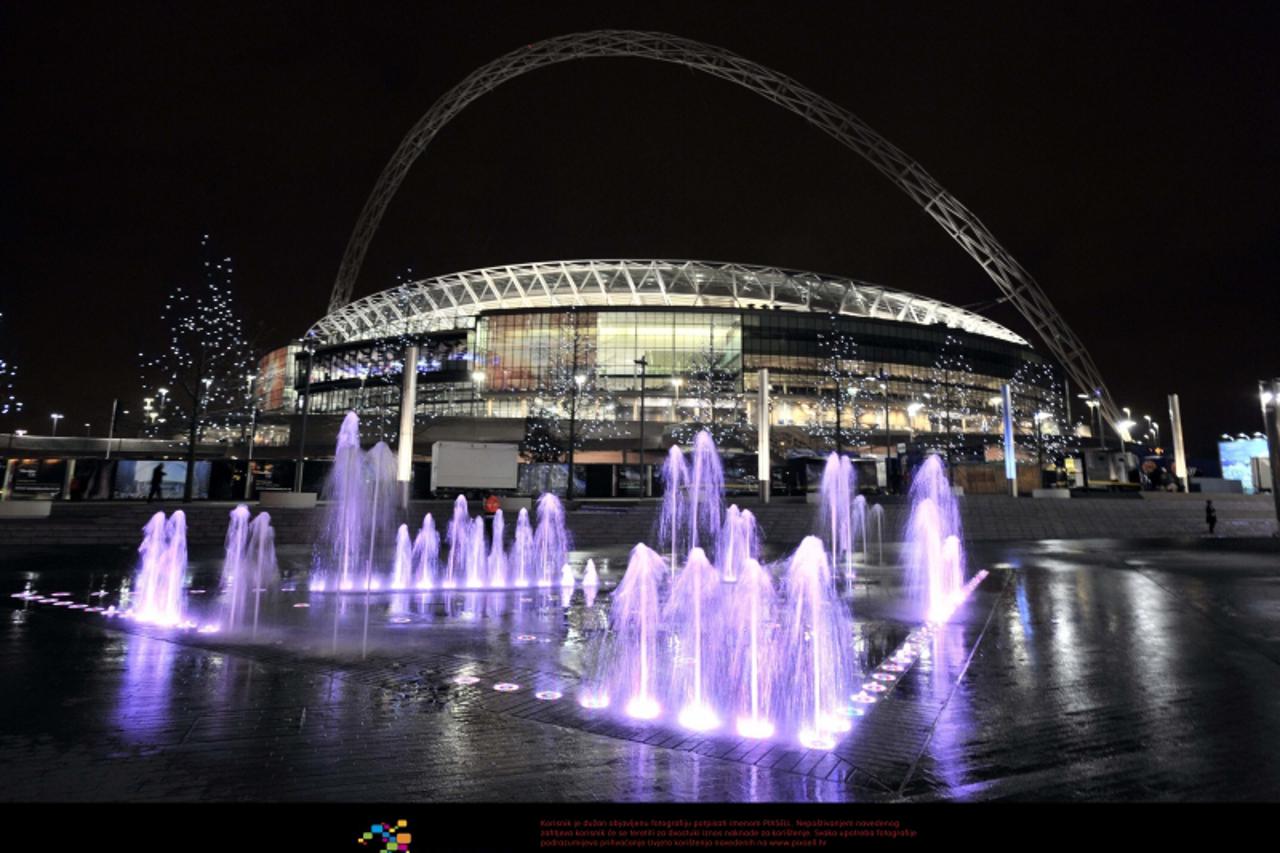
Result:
702,367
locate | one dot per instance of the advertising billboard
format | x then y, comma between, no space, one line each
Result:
1237,460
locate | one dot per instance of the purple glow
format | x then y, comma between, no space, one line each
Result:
932,553
675,476
594,701
521,559
497,555
589,577
643,708
699,718
548,695
465,679
551,539
426,554
755,728
162,570
402,568
506,687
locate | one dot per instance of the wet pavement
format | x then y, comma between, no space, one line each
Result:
1082,670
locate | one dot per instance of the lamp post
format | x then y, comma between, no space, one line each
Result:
578,381
310,350
253,429
643,363
55,417
1038,417
884,388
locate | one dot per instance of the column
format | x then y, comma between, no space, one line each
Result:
408,405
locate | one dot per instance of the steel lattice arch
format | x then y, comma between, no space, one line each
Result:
447,302
1015,282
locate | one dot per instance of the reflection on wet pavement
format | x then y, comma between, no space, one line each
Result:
1076,671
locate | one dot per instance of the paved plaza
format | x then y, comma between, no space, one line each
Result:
1077,670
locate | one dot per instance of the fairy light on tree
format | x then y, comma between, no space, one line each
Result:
9,402
1035,388
201,370
841,382
713,387
572,402
952,392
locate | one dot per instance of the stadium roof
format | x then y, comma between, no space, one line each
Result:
440,303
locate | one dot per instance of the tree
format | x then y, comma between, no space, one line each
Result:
206,361
714,386
841,382
951,395
9,402
572,403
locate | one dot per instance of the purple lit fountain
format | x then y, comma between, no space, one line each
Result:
426,554
550,540
835,515
690,611
931,551
248,570
738,543
402,568
346,524
497,555
162,570
675,478
521,560
459,537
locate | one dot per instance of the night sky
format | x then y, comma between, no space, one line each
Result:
1126,155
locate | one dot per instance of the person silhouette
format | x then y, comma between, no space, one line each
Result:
157,480
1210,516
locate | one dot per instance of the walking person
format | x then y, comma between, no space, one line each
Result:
157,480
1210,516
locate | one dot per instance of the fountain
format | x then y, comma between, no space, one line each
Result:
235,549
590,579
858,526
931,551
706,493
629,667
816,648
346,524
402,568
690,612
551,539
497,554
459,537
426,554
835,515
752,668
260,564
738,543
675,477
162,570
522,550
877,515
475,555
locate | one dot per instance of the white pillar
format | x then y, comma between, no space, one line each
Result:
1179,455
763,467
1010,453
408,405
1271,410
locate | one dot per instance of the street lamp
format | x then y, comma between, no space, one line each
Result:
574,390
253,429
1038,417
643,363
55,417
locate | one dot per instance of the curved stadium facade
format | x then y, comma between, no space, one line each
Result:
503,347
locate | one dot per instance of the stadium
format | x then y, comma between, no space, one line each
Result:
533,352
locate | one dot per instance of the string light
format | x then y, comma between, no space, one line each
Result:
206,357
9,402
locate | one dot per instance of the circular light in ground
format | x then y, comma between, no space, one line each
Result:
755,728
853,711
301,605
890,666
195,592
79,606
863,698
810,739
548,695
465,679
884,676
59,594
594,701
699,718
643,708
206,629
526,638
874,687
400,620
506,687
93,610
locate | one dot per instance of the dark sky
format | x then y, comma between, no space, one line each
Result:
1126,154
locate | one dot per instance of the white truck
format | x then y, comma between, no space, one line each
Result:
468,465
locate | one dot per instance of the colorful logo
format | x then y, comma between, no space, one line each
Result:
388,838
